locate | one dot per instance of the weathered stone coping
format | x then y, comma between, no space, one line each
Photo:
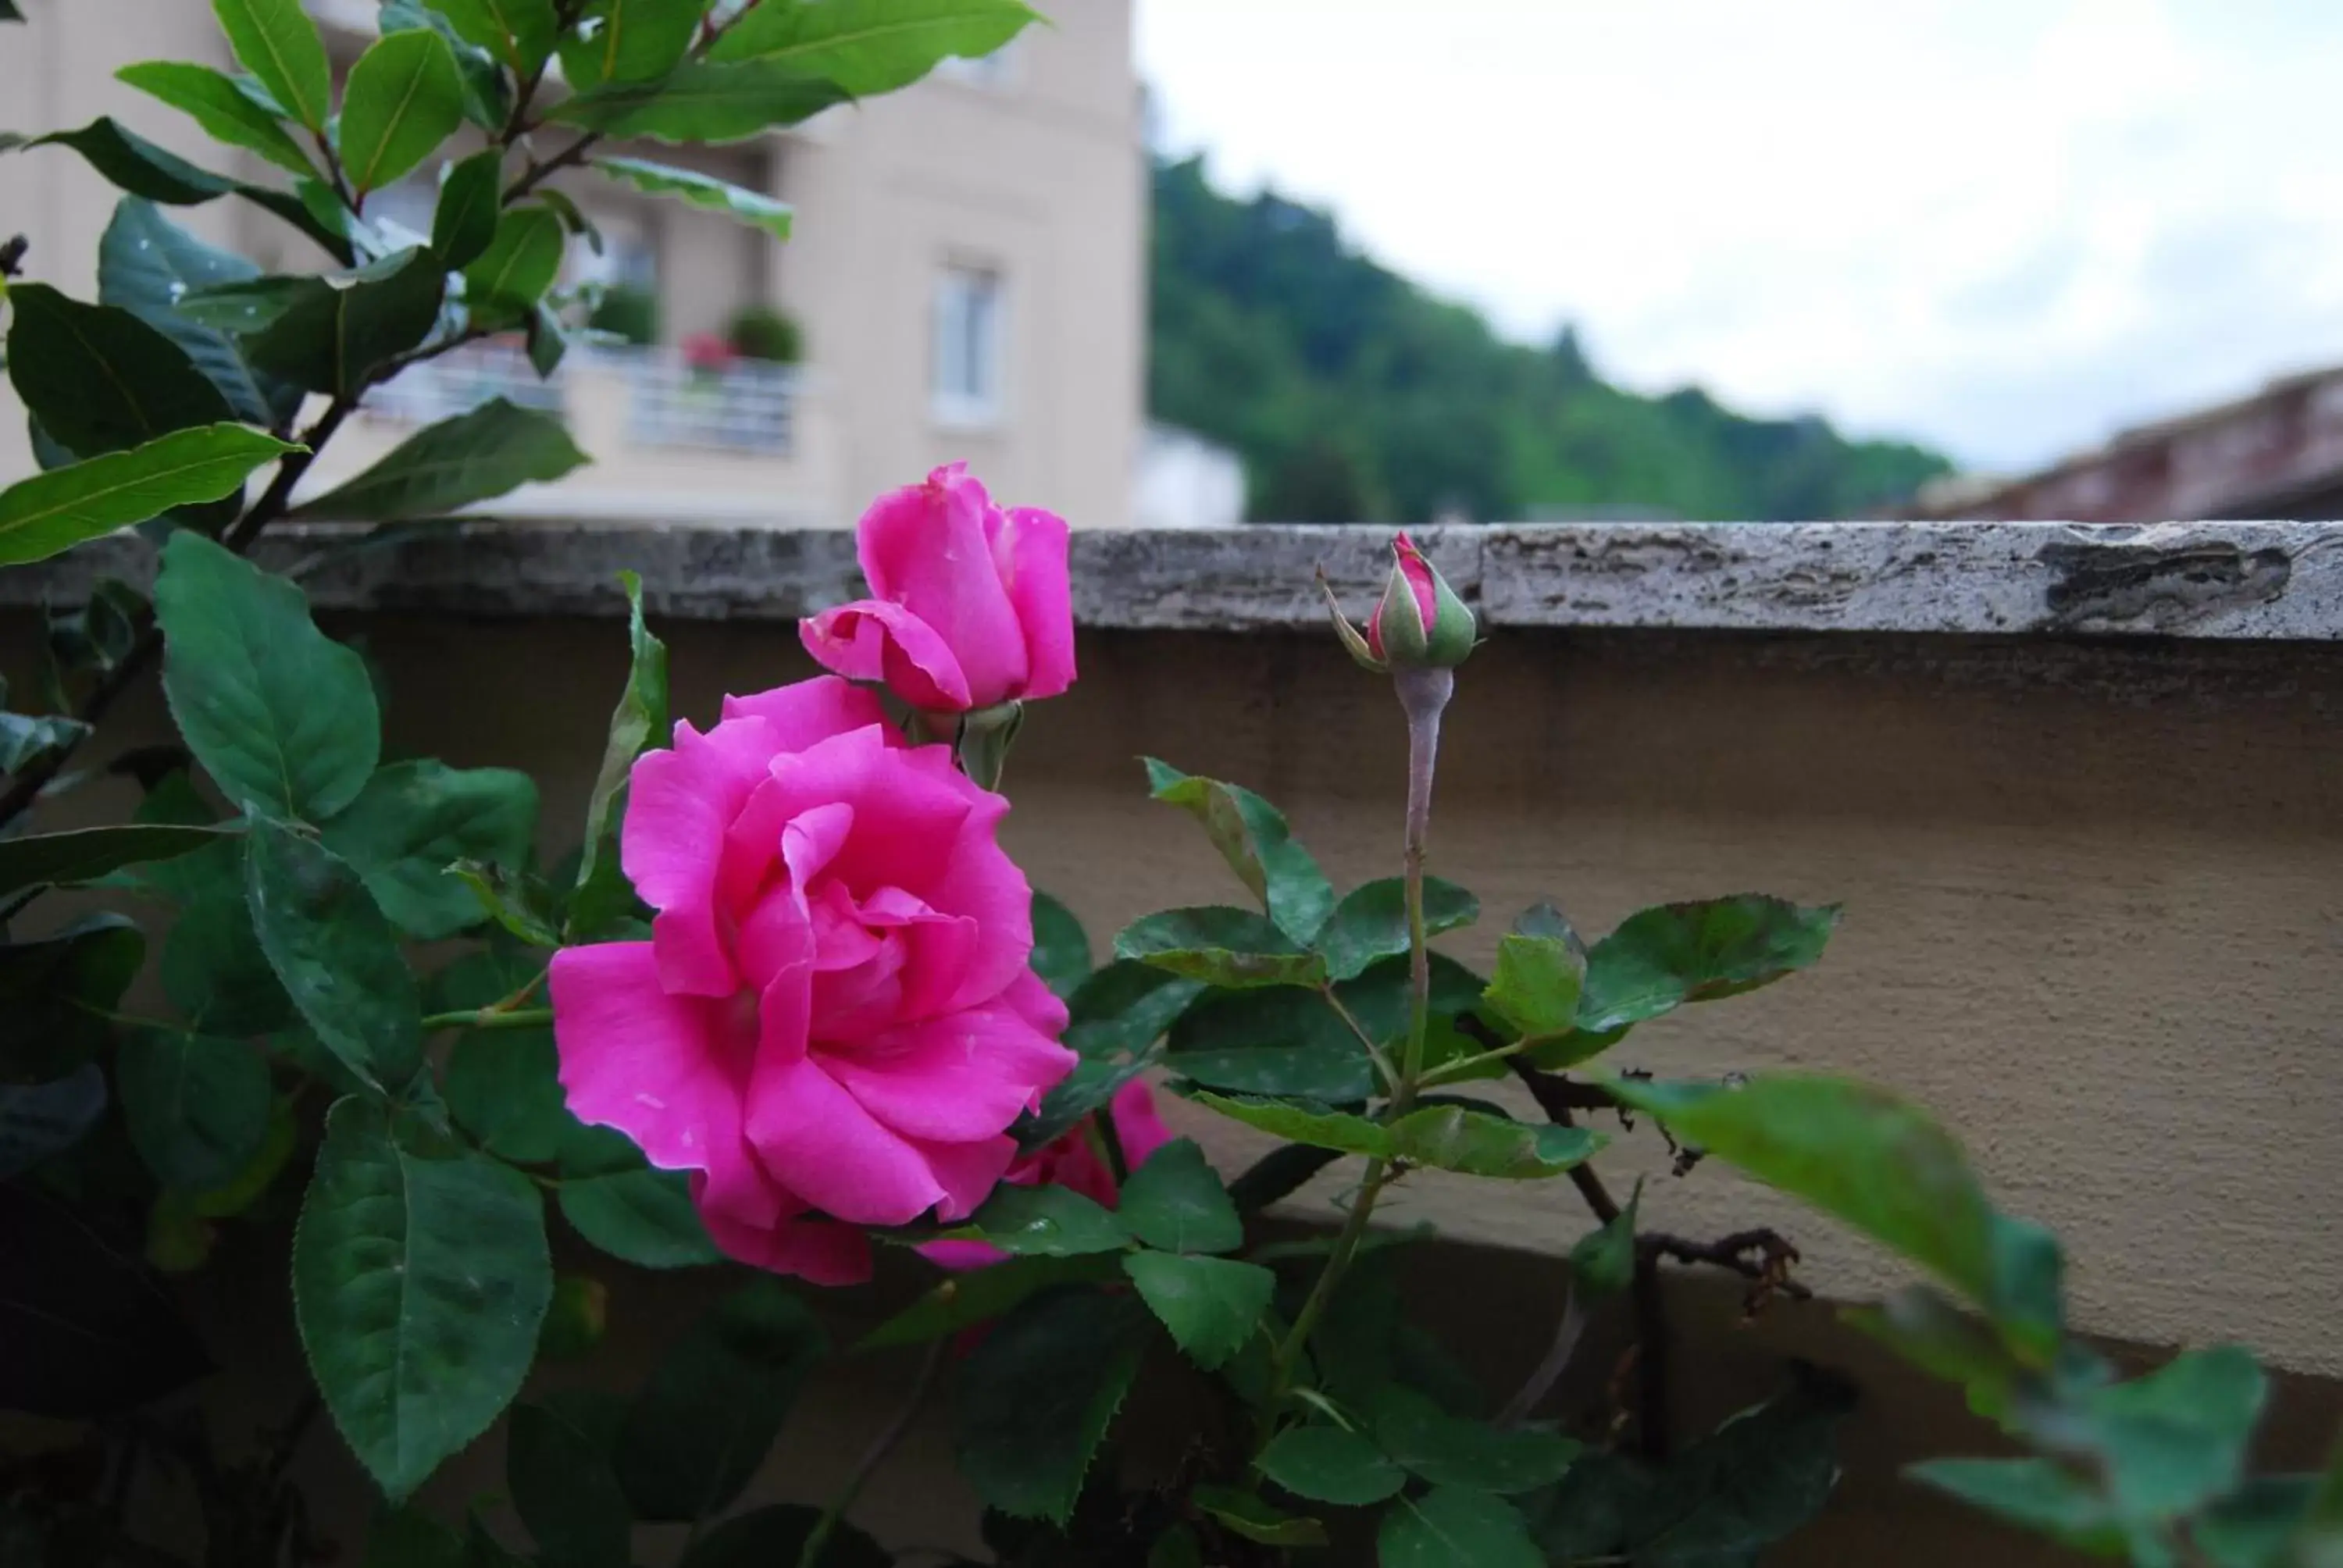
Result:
2225,582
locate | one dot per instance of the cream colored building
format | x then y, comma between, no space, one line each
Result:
966,267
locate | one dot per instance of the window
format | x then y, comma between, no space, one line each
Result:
964,362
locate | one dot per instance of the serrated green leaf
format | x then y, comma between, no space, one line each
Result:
418,1283
1313,1125
84,854
872,47
1278,1041
705,191
1212,1305
503,1089
277,713
700,103
1664,957
197,1106
1455,1527
1036,1396
642,1217
1451,1450
1221,946
701,1424
55,511
1175,1203
413,820
402,99
147,264
336,955
276,41
1452,1138
225,110
1050,1221
98,379
334,334
1330,1465
1253,837
1370,922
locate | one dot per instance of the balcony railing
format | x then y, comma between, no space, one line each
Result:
747,407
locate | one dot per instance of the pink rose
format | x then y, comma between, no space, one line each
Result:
833,1025
1416,573
1071,1160
969,605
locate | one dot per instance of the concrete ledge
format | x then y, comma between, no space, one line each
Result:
2238,581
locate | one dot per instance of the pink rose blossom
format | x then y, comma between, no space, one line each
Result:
1417,573
969,605
833,1025
1071,1160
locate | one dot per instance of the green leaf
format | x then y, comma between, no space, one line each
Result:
1278,1175
520,901
703,103
1877,1163
641,1217
1603,1263
465,222
338,957
1243,1514
1370,922
1221,946
701,1424
418,1283
226,110
521,34
276,41
1451,1137
1330,1465
2175,1439
2033,1493
101,380
38,1120
1450,1451
1212,1305
752,207
2252,1526
146,264
503,1088
415,819
1036,1396
1536,985
628,41
1061,953
1454,1527
57,996
213,968
485,96
1281,1041
472,458
773,1537
1923,1327
981,1295
638,723
1319,1128
522,260
198,1107
558,1473
1051,1221
1175,1203
1253,837
403,98
335,333
84,854
137,164
278,714
1662,958
872,47
55,511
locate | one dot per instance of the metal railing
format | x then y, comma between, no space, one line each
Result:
746,406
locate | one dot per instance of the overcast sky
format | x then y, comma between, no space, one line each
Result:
2006,227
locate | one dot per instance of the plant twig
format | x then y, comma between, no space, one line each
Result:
490,1017
1760,1255
539,172
1557,1097
1375,1052
1550,1368
884,1445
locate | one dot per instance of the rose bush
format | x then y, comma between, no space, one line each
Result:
1073,1161
833,1019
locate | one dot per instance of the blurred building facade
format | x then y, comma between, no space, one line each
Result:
2277,454
966,273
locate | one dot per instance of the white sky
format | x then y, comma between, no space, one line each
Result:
2008,227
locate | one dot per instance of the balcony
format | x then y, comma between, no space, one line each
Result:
746,442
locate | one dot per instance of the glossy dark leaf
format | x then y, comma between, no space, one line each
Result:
402,98
701,1424
100,380
1281,1041
1253,837
626,41
502,1089
226,110
276,41
1036,1396
1663,957
1061,953
873,47
1370,922
1278,1175
521,34
1221,946
523,257
1175,1203
338,957
52,512
413,820
418,1283
642,1217
84,854
278,714
465,221
336,333
146,264
703,103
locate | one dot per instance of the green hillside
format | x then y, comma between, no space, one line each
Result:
1353,396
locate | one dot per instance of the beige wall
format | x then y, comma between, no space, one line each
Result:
2093,919
1041,176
